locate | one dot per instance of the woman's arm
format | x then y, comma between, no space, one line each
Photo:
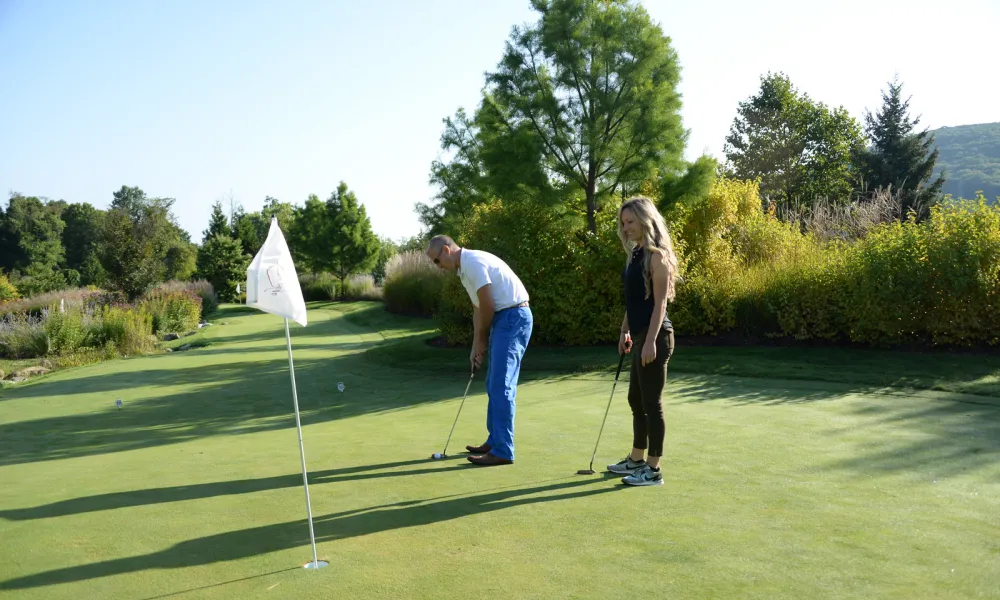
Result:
659,273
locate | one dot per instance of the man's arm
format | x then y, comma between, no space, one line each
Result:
484,314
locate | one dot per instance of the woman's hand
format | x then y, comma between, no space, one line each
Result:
649,351
624,343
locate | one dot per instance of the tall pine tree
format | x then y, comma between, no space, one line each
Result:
218,223
898,156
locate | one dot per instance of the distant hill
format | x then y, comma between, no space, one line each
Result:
970,157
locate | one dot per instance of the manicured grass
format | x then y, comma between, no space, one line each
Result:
790,473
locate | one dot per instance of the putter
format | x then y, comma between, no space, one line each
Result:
590,471
444,453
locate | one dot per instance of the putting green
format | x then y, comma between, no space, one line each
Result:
812,479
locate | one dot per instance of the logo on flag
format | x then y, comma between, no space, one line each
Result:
272,283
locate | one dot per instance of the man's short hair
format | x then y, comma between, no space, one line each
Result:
440,241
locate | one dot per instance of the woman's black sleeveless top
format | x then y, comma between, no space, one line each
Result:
638,307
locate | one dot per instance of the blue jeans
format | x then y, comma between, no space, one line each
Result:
509,337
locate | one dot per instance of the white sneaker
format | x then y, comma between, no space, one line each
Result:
644,476
627,466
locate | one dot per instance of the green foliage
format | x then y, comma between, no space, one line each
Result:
688,186
199,287
218,224
8,291
583,102
320,287
412,284
32,234
137,233
573,277
181,261
173,311
23,336
80,239
67,331
221,261
360,287
335,236
126,329
970,159
899,157
800,150
929,282
386,251
40,278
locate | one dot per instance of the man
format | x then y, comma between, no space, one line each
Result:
502,322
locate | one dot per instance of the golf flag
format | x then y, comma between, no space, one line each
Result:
272,284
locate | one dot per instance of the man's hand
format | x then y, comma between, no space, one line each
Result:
476,356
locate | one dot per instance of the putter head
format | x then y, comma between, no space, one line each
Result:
585,472
438,456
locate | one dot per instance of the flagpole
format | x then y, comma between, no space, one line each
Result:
316,563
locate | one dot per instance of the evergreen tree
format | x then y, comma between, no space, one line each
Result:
221,261
218,223
898,156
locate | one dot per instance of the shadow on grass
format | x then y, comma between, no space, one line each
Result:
236,545
922,432
227,398
162,495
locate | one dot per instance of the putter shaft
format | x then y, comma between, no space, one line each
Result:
621,361
444,452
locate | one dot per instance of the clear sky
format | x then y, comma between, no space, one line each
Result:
199,99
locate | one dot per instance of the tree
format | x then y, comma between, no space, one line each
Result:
898,157
137,233
684,188
218,223
335,236
81,238
309,235
127,254
180,262
221,261
354,248
386,250
32,234
583,102
801,150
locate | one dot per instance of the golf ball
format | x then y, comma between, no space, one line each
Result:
437,455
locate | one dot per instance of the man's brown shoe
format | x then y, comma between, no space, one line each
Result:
478,449
489,460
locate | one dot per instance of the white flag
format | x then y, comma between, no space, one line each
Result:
272,284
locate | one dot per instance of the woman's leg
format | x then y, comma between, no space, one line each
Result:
639,429
653,377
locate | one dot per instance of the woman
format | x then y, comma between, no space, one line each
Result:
648,280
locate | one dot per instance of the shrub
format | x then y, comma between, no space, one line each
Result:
361,287
321,287
36,305
23,336
573,277
200,287
67,331
173,311
126,329
931,282
412,285
8,291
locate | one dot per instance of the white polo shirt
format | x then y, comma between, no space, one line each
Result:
479,268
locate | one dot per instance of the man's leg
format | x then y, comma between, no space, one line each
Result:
511,332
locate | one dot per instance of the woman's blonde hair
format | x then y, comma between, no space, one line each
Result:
655,239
